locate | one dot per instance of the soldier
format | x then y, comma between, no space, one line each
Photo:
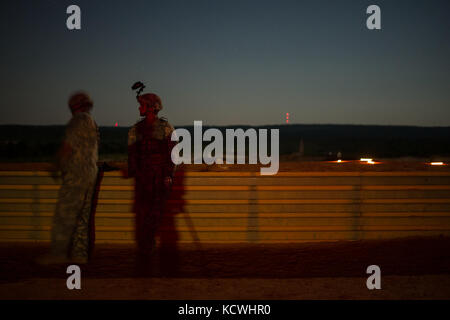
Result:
149,161
77,161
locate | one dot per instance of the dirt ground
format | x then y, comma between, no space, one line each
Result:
411,268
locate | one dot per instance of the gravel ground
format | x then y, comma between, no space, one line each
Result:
412,268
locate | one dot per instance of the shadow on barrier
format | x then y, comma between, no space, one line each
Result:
169,260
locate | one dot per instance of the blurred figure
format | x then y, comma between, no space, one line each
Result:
77,161
149,161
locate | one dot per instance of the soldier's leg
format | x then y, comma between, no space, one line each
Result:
80,242
64,219
156,210
142,209
149,222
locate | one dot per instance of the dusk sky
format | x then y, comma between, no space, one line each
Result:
229,62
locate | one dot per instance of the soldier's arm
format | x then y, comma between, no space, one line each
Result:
132,156
65,150
171,167
62,156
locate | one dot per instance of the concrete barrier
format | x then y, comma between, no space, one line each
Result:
231,207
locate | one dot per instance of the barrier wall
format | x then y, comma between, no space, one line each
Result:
247,207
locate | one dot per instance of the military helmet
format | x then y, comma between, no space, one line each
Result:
150,99
80,100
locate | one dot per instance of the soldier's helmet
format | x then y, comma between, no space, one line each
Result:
80,100
151,100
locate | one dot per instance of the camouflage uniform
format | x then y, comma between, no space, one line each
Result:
70,222
149,161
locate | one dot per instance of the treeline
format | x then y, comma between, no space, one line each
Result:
40,143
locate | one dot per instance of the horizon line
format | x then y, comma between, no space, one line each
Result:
248,125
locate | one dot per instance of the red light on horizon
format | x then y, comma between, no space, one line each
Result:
116,124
